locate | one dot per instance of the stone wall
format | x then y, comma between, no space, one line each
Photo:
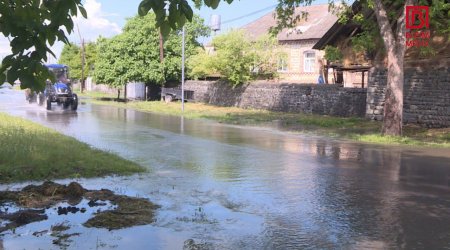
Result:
307,98
426,96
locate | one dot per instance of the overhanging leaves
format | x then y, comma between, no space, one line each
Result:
32,26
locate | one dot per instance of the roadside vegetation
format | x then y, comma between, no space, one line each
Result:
353,128
29,151
237,58
96,95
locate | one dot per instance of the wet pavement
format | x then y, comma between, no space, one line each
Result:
234,187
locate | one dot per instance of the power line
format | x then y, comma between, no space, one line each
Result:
249,14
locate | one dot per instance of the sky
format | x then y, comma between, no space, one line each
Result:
107,17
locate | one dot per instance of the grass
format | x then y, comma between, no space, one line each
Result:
29,151
95,94
402,140
353,128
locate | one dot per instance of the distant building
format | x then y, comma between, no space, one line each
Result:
302,63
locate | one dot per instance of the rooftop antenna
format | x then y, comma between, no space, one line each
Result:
215,23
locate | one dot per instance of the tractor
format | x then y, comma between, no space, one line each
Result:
59,92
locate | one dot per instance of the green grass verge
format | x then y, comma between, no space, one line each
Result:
29,151
402,140
95,94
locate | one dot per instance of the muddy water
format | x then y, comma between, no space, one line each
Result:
234,187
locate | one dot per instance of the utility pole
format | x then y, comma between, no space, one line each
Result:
182,69
83,59
161,47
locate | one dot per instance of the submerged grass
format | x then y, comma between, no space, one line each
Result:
29,151
352,128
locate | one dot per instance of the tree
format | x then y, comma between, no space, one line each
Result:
32,26
394,42
110,66
71,56
236,58
391,28
133,55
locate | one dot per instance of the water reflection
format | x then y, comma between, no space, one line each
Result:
262,188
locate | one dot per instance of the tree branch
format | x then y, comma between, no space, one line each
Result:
384,25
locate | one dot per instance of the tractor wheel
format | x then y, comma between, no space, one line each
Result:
75,102
49,104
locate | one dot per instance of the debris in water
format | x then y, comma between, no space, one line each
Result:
191,245
33,200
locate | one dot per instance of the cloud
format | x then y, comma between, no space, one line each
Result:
91,28
96,24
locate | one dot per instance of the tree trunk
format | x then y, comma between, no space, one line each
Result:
395,47
118,94
393,105
161,47
125,93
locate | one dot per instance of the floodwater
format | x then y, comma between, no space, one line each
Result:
231,187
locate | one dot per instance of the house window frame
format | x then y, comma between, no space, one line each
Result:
282,64
309,63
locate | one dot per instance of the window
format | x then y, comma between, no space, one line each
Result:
282,64
309,61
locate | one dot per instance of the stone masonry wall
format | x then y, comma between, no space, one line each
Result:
306,98
426,96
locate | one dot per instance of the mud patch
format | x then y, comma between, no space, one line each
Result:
29,205
129,212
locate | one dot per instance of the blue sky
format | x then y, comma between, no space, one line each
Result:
107,17
236,9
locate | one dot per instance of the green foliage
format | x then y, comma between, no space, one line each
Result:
201,65
367,40
236,58
133,55
71,56
111,64
332,54
266,53
90,50
440,15
232,59
32,27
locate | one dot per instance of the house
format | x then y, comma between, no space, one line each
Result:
426,85
354,66
301,63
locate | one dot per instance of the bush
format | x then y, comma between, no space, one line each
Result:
236,58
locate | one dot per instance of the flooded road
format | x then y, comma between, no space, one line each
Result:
231,187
